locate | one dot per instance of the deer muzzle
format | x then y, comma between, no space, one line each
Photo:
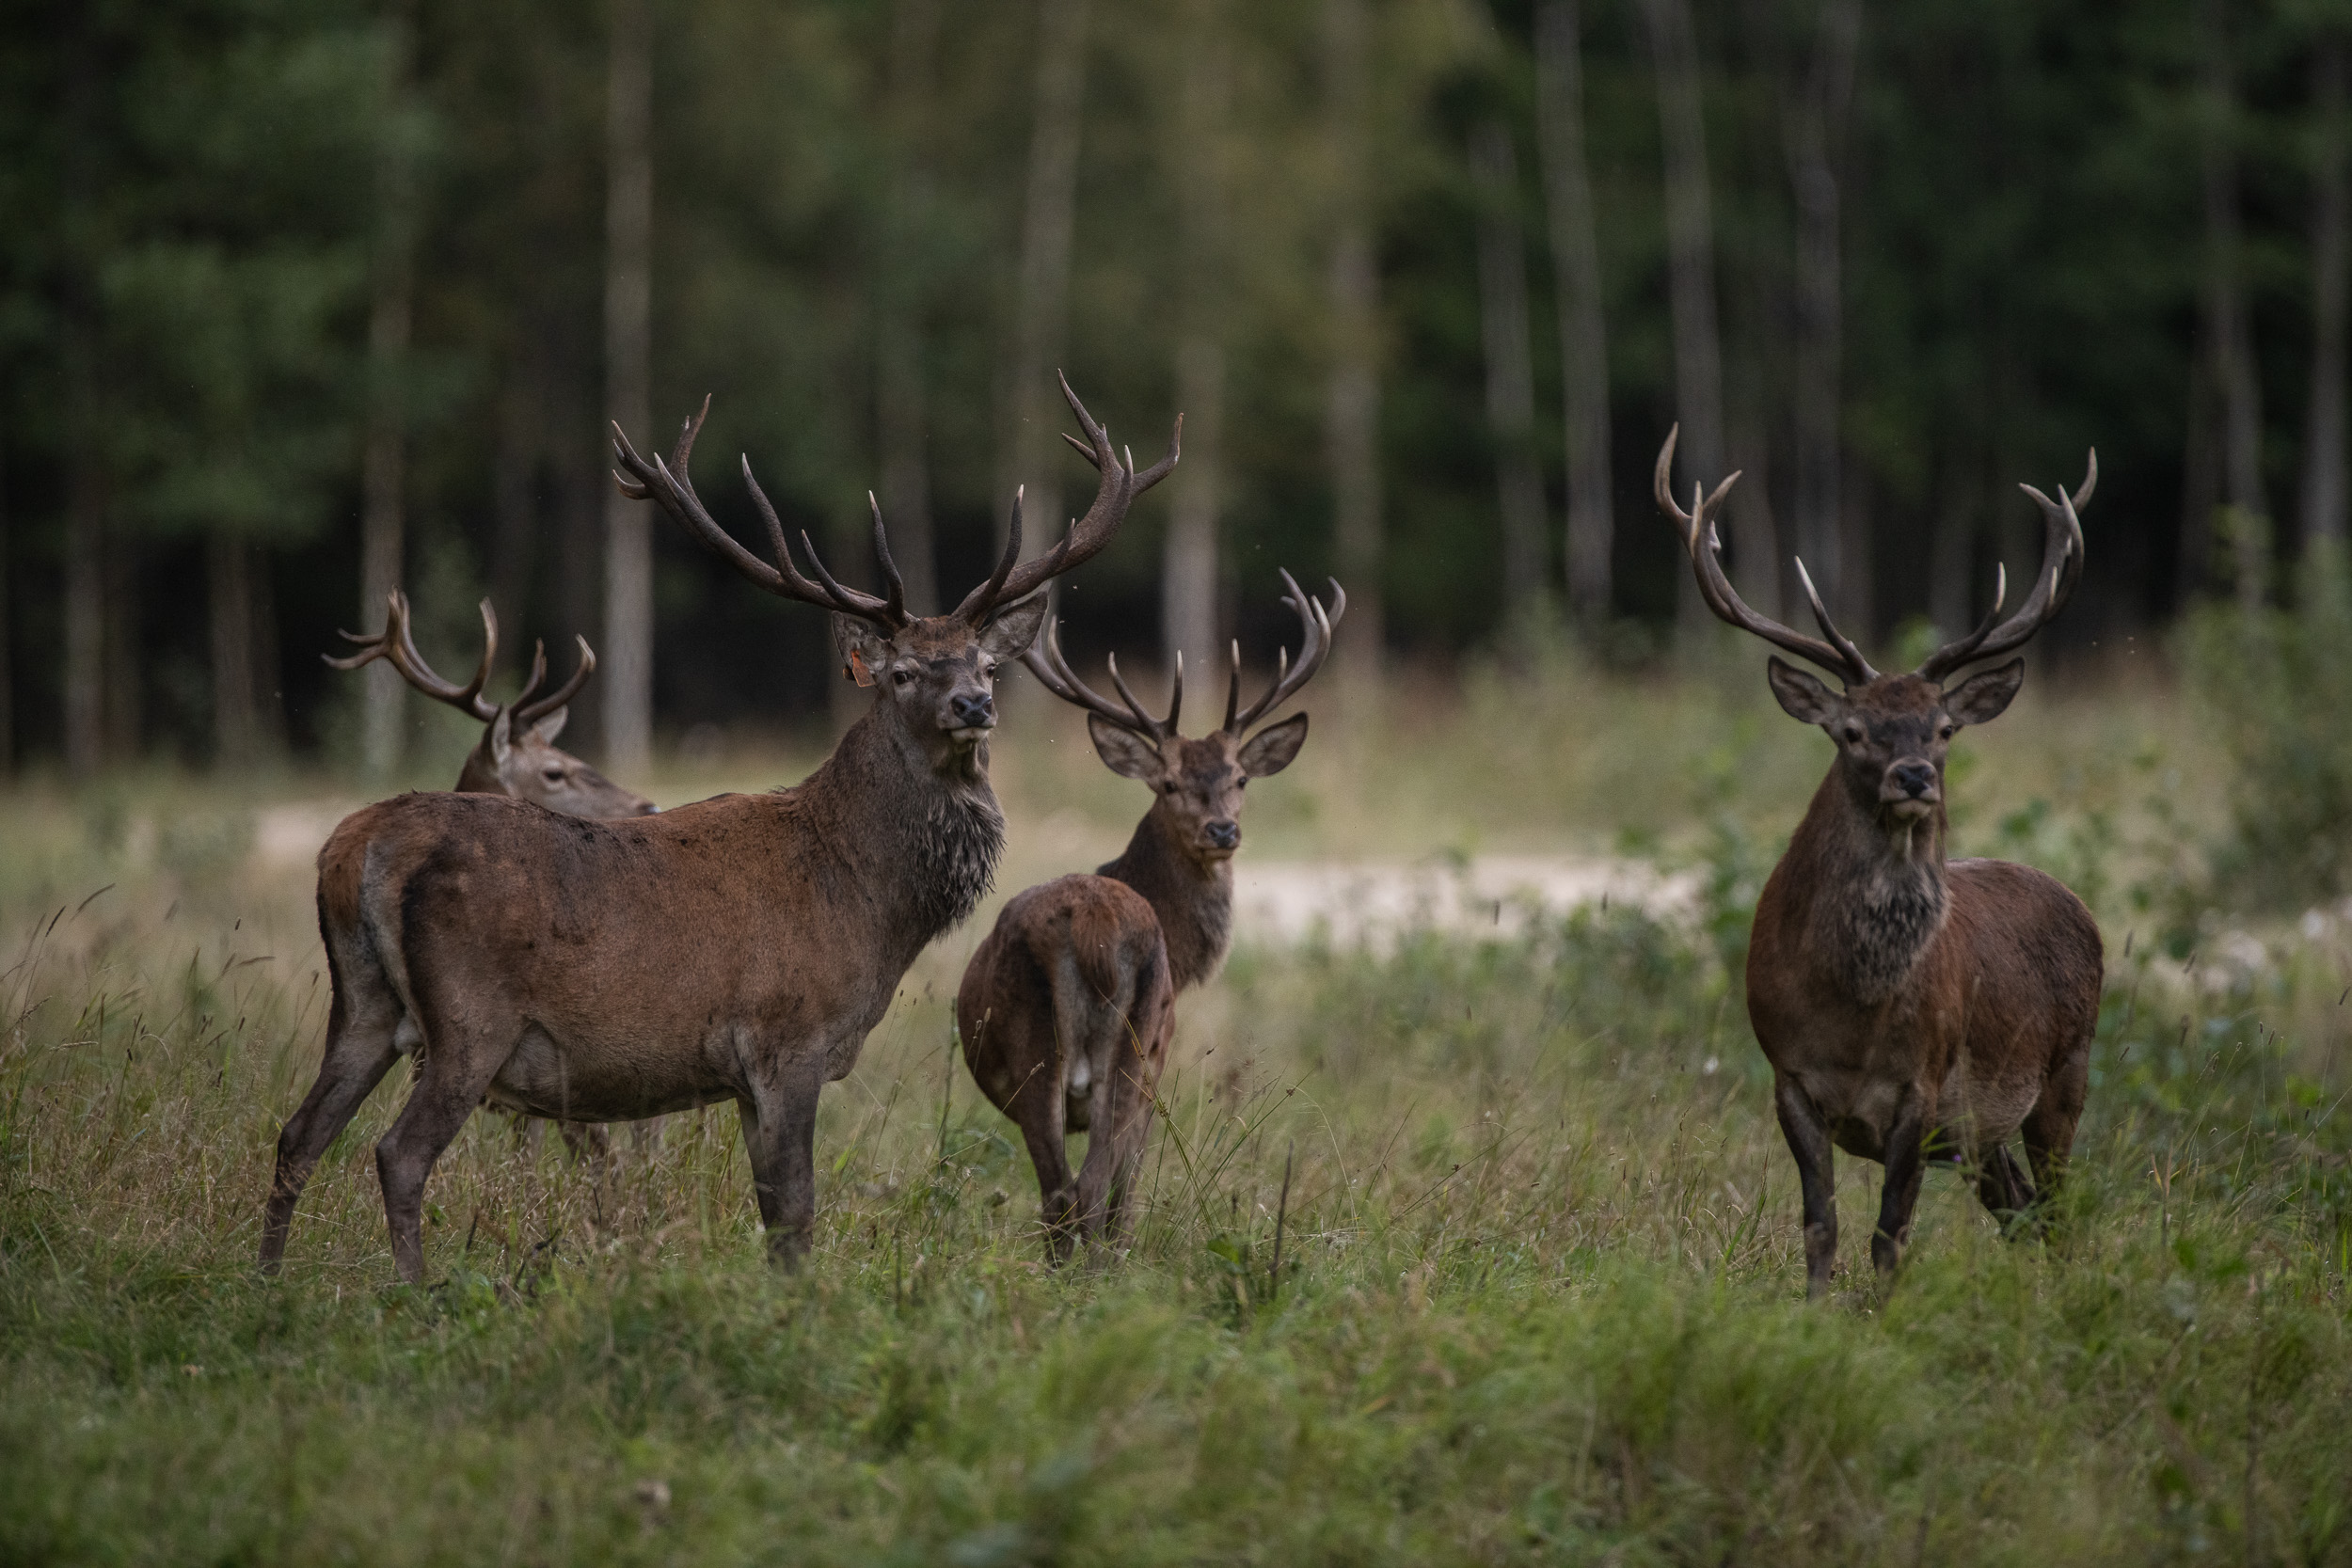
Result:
1910,788
975,715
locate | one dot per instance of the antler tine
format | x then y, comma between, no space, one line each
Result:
897,594
370,648
669,484
1158,729
825,590
413,668
538,672
2061,568
562,696
1053,671
1847,652
1700,537
1121,484
977,603
1314,649
1232,692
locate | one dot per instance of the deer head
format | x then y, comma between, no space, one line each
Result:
517,756
933,676
1893,732
1197,785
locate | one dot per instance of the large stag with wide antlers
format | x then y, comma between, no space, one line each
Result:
517,756
739,948
1914,1008
1066,1010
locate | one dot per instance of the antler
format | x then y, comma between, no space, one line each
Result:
1288,677
1119,486
2061,568
527,712
397,643
1053,671
669,484
1838,654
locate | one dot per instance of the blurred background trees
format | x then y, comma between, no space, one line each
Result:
301,299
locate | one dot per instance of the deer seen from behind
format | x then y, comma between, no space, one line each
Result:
516,757
737,949
1914,1008
1067,1008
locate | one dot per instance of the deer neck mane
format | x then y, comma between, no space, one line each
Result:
1869,894
1194,901
914,846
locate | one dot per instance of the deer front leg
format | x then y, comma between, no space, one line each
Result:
1906,1166
1801,1123
780,1137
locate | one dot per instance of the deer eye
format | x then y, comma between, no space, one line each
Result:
1853,733
553,775
1949,731
904,678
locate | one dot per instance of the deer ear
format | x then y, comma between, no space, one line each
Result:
1014,629
1270,751
501,737
1800,696
547,729
1123,751
1982,698
859,644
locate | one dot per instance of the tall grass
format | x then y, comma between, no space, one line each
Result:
1539,1297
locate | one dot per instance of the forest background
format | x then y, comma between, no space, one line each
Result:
301,300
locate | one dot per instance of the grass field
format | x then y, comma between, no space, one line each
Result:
1540,1293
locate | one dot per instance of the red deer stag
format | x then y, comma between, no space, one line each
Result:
739,948
517,755
1067,1008
1913,1008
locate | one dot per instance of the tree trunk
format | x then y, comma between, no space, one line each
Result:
7,676
1575,284
1816,134
2228,332
236,722
125,690
2323,508
626,672
85,478
1510,368
1030,445
1689,260
1352,395
1189,618
901,394
384,455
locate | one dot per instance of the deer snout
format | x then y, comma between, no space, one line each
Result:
973,710
1910,787
1222,833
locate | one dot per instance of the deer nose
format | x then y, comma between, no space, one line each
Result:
1223,833
974,713
1915,778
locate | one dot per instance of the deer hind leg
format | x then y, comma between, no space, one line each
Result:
1132,1048
1906,1166
2049,1129
2001,1187
360,1027
457,1067
1801,1123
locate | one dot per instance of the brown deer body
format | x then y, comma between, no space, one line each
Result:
1912,1008
1067,1008
516,757
737,949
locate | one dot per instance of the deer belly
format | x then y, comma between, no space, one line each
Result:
547,1080
1859,1108
1973,1111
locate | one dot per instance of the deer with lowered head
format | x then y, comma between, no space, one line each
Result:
517,756
1067,1008
737,949
1914,1008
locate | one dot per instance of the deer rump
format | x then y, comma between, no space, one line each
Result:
1066,1011
485,931
1997,1013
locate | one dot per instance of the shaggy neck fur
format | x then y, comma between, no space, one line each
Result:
915,845
1194,901
1873,889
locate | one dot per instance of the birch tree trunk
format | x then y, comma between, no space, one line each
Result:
1189,619
1816,134
624,677
1691,262
901,392
1352,394
1576,285
1029,444
384,455
2323,498
1510,368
